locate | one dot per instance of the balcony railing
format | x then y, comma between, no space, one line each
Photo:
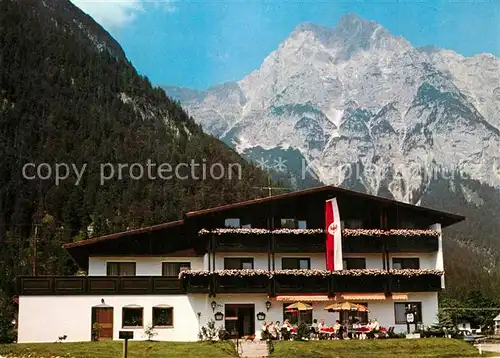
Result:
424,283
312,240
99,285
199,284
248,281
291,284
318,281
237,243
360,284
254,284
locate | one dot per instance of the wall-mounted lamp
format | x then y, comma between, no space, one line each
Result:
268,305
219,316
213,304
199,315
261,316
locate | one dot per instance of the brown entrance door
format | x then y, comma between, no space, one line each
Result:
102,322
240,319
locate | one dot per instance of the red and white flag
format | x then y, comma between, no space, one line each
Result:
333,236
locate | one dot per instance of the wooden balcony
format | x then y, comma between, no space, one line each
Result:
199,284
211,284
242,243
424,283
298,284
299,243
424,244
361,284
363,241
393,244
231,284
99,285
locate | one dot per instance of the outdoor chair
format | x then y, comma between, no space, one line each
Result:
390,332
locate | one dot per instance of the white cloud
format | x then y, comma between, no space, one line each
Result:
165,5
115,14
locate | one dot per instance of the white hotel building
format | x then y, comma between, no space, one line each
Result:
274,255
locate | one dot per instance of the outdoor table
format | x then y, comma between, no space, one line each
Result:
328,332
361,332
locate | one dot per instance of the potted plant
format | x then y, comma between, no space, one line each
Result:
96,327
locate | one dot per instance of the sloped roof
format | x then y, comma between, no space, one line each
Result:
124,233
445,218
448,217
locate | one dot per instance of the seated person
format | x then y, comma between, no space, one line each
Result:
264,332
369,325
285,330
273,329
337,327
314,326
321,325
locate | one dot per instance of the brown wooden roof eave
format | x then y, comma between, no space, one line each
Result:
124,233
445,218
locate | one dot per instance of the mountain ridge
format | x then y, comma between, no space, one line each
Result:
358,64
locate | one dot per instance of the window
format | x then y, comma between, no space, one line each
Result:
293,316
294,263
173,268
232,222
352,316
163,316
132,316
402,263
288,223
354,263
238,263
400,312
120,269
293,224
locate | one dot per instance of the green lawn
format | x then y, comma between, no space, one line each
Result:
388,348
112,349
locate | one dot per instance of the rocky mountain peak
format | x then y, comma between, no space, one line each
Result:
352,23
357,93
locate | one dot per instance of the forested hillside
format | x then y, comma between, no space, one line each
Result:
67,95
472,247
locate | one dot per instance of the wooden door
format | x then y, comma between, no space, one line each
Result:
103,316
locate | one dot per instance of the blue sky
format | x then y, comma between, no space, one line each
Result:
198,44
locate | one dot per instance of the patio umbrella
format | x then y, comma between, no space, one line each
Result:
298,306
346,306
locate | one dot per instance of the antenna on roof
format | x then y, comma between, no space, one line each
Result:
270,188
